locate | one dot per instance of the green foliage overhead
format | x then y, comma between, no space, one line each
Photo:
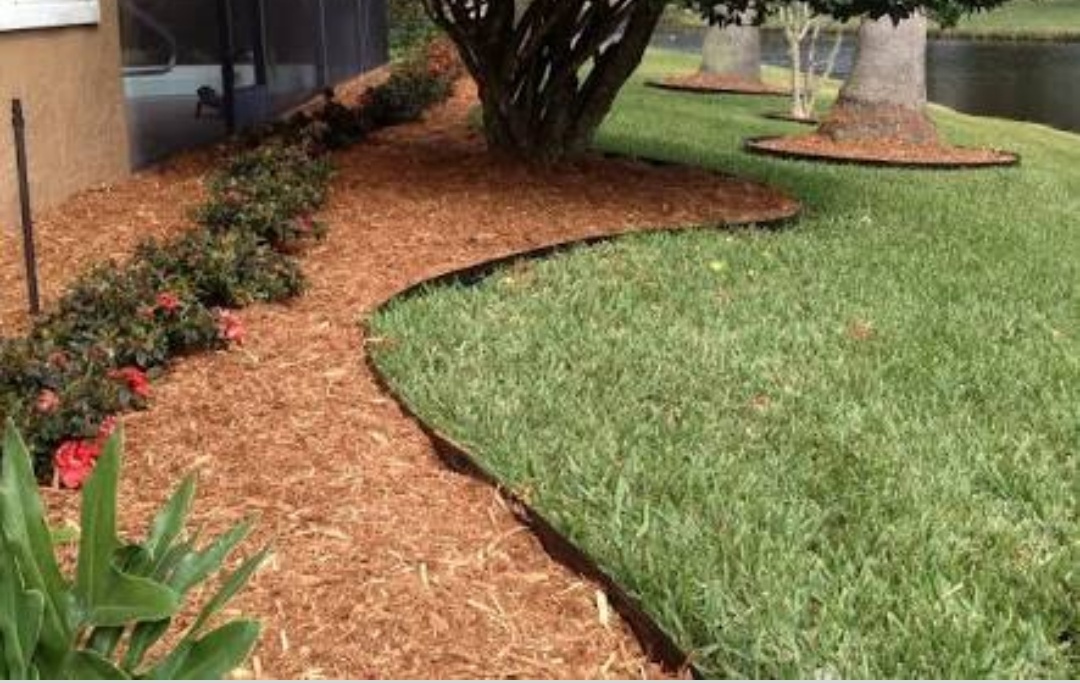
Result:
946,12
124,595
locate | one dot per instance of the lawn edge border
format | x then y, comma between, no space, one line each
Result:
658,645
753,146
701,90
788,118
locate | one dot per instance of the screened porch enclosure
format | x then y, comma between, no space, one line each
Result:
194,70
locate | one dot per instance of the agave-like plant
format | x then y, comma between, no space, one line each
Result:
122,600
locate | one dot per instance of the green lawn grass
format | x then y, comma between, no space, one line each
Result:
1045,19
850,448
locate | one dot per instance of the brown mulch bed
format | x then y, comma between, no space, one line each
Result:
718,83
385,564
883,153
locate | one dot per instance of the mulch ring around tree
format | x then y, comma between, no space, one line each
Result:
385,563
717,83
816,147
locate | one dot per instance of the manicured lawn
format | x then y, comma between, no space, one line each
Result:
1045,19
851,448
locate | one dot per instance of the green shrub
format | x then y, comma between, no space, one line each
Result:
124,595
230,270
269,191
121,316
410,91
410,27
334,126
119,324
53,397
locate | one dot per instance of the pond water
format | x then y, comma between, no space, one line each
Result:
1026,81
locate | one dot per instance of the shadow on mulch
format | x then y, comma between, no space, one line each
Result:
891,154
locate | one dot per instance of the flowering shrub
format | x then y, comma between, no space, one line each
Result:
407,94
270,192
119,324
230,328
74,461
133,380
442,58
222,269
113,313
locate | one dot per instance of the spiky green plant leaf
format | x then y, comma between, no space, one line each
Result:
21,614
196,567
28,542
232,585
212,656
169,523
106,595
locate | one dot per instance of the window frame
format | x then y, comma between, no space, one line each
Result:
18,15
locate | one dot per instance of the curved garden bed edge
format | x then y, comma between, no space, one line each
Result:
657,643
701,90
753,146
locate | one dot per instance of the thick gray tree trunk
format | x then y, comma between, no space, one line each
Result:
885,96
733,50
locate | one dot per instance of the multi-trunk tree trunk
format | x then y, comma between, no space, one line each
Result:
547,71
733,50
885,96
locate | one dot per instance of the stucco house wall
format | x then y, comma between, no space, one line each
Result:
69,81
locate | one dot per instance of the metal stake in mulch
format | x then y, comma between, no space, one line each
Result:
18,123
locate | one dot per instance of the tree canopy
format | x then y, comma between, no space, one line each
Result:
944,11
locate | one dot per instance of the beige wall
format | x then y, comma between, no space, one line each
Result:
69,81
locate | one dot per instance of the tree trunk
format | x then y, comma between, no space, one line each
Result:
885,96
733,50
547,71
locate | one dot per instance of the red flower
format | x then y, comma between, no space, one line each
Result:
106,429
47,401
304,225
230,327
74,462
168,302
136,380
58,359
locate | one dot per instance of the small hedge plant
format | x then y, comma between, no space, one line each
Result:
120,324
268,192
422,78
124,595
